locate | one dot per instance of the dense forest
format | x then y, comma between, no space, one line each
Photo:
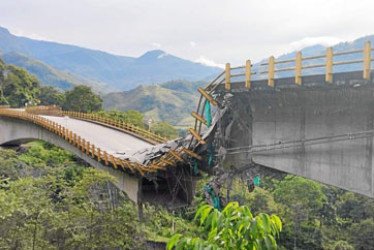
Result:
52,200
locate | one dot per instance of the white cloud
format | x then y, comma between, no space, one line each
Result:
208,62
310,41
220,30
156,45
29,35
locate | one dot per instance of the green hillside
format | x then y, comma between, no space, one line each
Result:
48,75
171,102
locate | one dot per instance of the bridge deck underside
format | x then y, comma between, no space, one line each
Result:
322,132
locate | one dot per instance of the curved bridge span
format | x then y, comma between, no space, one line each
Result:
318,126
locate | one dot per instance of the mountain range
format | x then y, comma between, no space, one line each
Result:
96,68
161,86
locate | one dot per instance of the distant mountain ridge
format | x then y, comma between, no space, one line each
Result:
48,75
116,72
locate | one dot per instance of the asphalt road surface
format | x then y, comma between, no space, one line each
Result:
113,141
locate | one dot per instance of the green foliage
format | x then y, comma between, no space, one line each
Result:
301,192
64,206
355,207
363,234
136,118
51,96
17,87
161,224
82,99
233,228
48,75
171,102
164,129
129,116
342,245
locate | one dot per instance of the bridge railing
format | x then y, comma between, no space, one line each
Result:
121,125
82,144
231,74
247,71
170,158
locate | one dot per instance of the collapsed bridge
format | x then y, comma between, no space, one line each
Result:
318,126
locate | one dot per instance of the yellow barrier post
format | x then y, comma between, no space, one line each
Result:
207,96
329,64
198,117
228,77
176,155
88,148
106,158
93,150
98,154
197,136
248,74
128,165
192,154
367,61
298,68
113,161
271,72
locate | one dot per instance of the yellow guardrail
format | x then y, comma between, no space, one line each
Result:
123,126
328,64
82,144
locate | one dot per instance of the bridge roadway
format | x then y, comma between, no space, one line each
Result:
113,141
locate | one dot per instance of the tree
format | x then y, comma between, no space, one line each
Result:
165,130
82,99
51,96
342,245
18,87
304,200
362,234
233,228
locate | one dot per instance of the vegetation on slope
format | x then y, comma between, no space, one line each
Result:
171,101
49,76
50,200
17,87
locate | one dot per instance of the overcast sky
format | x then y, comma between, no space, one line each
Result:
209,31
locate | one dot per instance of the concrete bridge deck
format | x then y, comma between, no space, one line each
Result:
113,141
